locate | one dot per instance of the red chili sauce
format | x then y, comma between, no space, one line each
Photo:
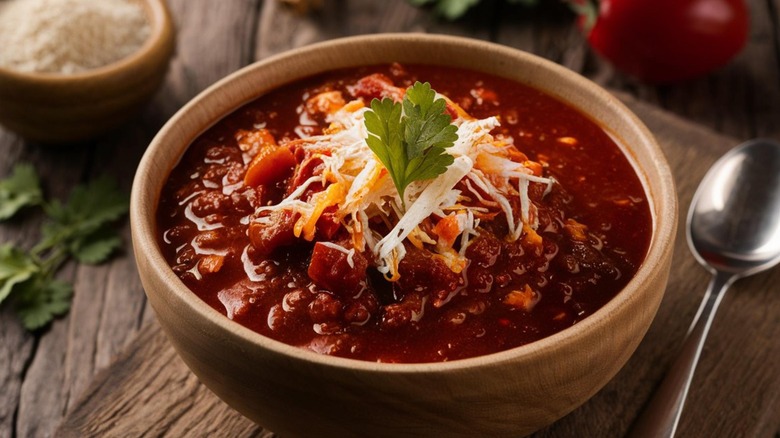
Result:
594,225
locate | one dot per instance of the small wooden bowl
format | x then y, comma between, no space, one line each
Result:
64,108
299,393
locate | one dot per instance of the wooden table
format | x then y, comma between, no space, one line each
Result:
105,370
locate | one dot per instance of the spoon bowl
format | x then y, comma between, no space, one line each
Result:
733,229
734,219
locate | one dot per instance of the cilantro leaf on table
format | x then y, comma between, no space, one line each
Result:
40,300
410,138
15,267
20,190
451,9
78,223
96,247
454,9
79,228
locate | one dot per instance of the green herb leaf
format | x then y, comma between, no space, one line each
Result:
40,300
384,126
15,267
450,9
429,130
410,138
96,247
21,189
88,209
454,9
79,228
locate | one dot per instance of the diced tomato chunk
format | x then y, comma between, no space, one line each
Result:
328,224
252,141
272,232
377,86
211,263
235,299
271,164
330,269
309,167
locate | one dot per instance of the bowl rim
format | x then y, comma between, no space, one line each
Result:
161,30
143,215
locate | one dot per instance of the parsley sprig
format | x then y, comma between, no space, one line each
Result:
80,228
454,9
19,190
410,138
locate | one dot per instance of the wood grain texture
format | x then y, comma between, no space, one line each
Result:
153,384
215,38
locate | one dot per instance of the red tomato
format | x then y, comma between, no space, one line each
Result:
663,41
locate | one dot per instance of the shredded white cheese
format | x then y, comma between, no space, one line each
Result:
368,196
423,206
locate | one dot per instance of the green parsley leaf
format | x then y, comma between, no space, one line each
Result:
451,9
96,247
19,190
88,209
15,267
454,9
79,228
428,131
410,138
385,127
41,299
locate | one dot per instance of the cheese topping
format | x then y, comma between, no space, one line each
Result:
486,175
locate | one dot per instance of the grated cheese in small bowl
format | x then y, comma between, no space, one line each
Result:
69,36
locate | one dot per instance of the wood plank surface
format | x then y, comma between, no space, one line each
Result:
44,375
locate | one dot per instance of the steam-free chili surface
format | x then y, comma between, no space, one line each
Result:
594,223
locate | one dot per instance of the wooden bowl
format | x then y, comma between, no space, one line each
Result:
64,108
299,393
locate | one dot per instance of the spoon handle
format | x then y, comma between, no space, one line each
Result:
662,414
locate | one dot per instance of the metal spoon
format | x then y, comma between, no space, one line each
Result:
733,229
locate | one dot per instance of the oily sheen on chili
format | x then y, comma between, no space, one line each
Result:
307,276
